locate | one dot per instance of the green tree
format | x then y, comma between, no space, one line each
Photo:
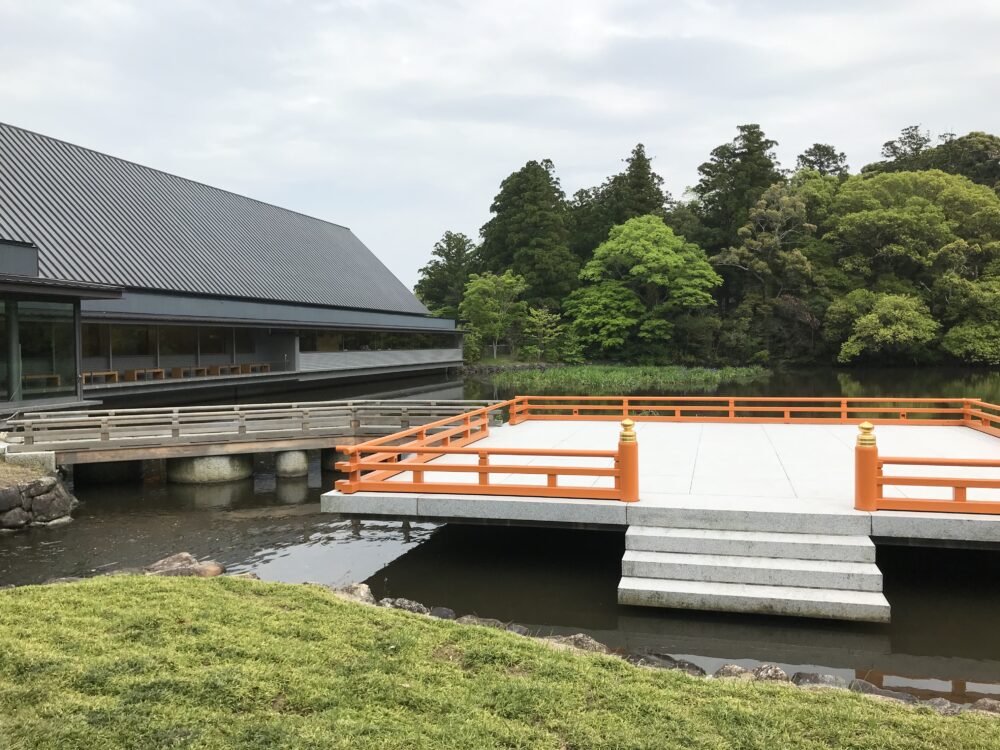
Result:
606,318
543,330
823,158
975,155
911,143
492,305
442,281
643,261
636,191
732,181
529,234
894,326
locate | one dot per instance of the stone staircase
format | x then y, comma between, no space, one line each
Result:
778,563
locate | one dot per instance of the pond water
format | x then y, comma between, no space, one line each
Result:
946,603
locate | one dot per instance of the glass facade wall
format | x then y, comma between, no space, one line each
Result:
39,349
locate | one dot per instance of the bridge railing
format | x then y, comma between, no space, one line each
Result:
103,429
871,480
399,463
934,411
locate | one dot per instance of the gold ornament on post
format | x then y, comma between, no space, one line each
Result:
628,431
866,434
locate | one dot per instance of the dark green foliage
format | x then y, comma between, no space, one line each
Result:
442,281
731,182
975,155
637,191
824,159
900,263
529,234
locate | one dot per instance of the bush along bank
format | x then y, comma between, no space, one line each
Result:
619,380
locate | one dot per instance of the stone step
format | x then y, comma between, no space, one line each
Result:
762,571
841,523
836,604
751,543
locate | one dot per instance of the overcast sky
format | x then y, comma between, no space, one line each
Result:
400,119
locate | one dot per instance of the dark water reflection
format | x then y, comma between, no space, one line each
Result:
946,603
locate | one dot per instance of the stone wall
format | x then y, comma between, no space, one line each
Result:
40,501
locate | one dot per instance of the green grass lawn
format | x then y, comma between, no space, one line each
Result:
610,380
149,662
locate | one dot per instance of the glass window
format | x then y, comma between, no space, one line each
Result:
178,340
245,342
133,341
96,340
48,348
214,340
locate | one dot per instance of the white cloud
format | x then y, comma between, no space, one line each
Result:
400,119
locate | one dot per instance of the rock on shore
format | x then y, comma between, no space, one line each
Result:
41,501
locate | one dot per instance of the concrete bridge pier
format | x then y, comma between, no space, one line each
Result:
209,469
291,464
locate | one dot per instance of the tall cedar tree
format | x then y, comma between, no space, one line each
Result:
732,181
636,191
442,281
529,234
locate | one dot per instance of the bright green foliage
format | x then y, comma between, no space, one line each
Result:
492,306
894,325
529,234
976,338
130,663
442,281
472,346
824,159
661,267
542,331
606,317
732,181
637,191
644,278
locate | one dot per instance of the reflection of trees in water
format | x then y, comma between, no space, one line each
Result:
921,382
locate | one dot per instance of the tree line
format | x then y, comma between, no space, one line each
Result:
898,263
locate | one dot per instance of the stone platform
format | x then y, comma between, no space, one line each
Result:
731,516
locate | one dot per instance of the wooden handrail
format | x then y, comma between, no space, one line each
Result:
871,481
377,465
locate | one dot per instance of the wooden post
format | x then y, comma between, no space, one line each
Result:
628,456
350,485
866,469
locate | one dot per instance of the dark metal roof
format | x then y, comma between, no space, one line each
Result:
101,219
57,287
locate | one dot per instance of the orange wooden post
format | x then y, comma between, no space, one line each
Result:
866,469
350,485
628,462
484,460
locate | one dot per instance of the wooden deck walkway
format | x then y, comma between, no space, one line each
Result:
77,437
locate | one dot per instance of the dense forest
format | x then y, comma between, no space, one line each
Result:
899,263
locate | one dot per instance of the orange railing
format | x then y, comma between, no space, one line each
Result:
397,463
935,411
871,480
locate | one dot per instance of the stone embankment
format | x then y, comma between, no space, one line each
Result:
39,502
772,673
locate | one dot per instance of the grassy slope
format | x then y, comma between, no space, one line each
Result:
176,663
17,474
